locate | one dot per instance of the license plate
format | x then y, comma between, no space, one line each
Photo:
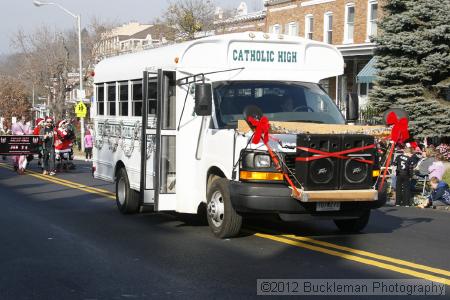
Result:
328,206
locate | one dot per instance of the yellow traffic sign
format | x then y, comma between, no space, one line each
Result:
80,110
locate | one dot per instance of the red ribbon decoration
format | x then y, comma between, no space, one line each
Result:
388,163
261,131
339,154
399,133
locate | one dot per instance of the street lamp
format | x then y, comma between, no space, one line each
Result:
78,17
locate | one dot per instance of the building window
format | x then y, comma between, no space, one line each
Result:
136,98
276,29
372,17
292,29
349,23
328,28
123,99
100,100
111,99
309,27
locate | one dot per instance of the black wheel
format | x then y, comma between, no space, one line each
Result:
223,220
353,225
127,199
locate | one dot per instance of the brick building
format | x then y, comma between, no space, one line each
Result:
347,24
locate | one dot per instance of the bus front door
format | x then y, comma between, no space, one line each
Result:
158,152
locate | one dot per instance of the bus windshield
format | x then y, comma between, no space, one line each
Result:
279,101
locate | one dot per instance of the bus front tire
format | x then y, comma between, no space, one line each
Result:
223,220
353,225
127,199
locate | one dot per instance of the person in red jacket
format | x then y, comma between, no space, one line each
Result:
37,129
63,144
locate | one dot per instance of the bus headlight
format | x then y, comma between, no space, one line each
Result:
262,161
257,166
252,160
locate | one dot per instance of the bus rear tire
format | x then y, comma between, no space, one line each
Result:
353,225
223,220
127,199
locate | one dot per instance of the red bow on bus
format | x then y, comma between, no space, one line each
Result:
399,133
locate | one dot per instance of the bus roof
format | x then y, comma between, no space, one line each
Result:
260,56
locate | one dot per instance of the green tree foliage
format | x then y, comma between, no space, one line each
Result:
413,55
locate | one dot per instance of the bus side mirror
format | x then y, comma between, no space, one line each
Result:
352,111
203,99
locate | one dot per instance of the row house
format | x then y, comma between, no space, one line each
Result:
133,37
242,21
347,24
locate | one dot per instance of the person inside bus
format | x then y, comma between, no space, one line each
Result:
288,104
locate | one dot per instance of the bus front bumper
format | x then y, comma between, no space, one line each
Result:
276,198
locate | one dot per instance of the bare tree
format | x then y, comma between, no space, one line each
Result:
13,99
48,56
190,16
47,63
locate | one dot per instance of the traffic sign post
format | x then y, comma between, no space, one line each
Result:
81,110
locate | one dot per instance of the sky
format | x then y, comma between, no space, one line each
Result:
22,14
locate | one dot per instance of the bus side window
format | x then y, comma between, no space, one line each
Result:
111,99
123,99
136,98
169,113
100,99
152,97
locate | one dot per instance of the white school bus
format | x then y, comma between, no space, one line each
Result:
166,132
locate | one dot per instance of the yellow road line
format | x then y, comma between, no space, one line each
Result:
370,254
355,258
362,253
66,183
63,180
74,183
297,241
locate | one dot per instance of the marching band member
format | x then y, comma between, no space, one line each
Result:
63,144
20,128
36,131
48,147
72,137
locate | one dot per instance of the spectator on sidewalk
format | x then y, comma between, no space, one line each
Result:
417,156
425,163
88,144
404,164
440,195
437,168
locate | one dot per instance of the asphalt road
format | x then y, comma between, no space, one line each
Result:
59,240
